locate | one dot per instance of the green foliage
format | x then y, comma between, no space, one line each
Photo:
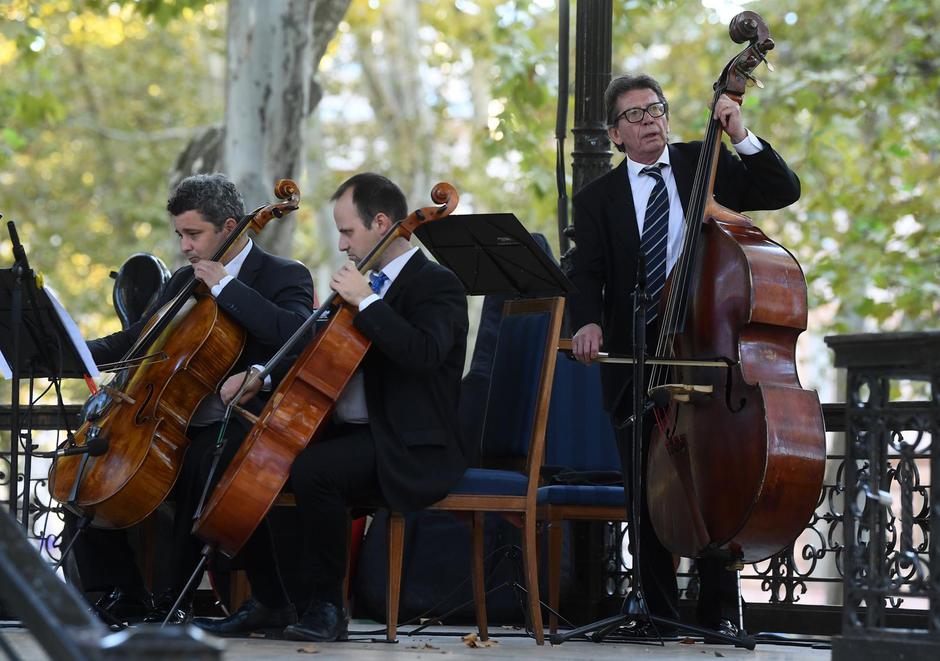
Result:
93,117
98,98
853,108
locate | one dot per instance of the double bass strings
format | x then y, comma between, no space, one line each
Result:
677,298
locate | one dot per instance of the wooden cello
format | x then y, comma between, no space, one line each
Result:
136,424
737,468
299,408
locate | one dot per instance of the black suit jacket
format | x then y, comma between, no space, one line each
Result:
412,382
270,298
608,241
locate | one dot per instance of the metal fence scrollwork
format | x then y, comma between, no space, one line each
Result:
892,418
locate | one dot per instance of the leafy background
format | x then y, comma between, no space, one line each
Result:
97,100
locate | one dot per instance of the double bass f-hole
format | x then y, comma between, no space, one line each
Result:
729,385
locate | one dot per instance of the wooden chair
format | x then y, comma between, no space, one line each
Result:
513,432
580,447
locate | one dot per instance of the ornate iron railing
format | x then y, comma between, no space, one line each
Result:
889,567
889,559
41,518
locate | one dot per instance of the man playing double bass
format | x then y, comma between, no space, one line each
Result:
267,295
637,211
394,436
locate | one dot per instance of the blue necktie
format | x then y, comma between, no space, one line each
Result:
376,280
653,243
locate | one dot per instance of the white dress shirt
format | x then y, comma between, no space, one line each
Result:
642,186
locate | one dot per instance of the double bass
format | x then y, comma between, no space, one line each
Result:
135,426
736,460
300,407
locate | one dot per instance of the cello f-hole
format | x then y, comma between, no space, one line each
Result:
137,417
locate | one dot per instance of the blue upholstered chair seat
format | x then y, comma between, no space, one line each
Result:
581,494
491,482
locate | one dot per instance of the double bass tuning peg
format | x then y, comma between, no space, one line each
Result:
751,80
763,58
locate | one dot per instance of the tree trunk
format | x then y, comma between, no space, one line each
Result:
274,48
395,89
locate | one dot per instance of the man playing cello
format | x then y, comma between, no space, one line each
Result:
267,295
393,437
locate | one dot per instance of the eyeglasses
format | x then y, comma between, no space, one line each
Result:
634,115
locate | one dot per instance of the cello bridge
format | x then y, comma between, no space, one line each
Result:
119,395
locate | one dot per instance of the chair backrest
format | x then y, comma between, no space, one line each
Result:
521,383
475,385
580,435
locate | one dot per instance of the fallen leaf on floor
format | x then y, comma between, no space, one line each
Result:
719,654
307,650
686,641
473,640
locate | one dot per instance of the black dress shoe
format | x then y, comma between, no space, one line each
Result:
642,629
725,627
322,622
162,606
119,607
253,616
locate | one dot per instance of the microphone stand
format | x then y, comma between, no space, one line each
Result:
635,609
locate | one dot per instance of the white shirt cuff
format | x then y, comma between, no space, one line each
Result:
749,146
367,301
216,289
266,386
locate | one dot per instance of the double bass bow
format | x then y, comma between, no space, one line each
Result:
735,465
301,405
135,426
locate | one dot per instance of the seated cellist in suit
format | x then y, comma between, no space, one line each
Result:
394,435
267,295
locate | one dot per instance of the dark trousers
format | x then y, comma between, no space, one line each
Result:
326,478
105,558
719,589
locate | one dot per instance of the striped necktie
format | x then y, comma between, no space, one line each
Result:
653,243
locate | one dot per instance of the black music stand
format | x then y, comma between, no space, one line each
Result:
36,339
492,253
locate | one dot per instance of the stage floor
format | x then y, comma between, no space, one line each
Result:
366,643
